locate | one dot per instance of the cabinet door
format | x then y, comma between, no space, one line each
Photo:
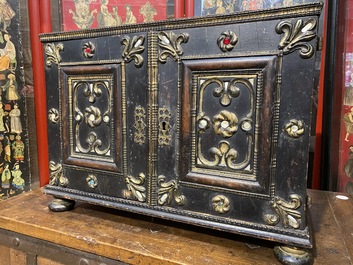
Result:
233,122
91,148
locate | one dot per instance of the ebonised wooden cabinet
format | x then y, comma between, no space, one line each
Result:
201,120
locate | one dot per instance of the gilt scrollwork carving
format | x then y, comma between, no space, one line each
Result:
169,190
93,145
136,188
53,53
56,175
226,91
221,204
286,212
92,90
133,49
164,128
296,36
92,116
227,41
294,128
53,115
140,125
170,44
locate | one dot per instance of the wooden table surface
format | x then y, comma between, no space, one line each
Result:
135,239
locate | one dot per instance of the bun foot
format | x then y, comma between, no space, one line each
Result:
61,205
289,255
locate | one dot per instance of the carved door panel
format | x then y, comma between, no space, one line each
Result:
230,128
91,111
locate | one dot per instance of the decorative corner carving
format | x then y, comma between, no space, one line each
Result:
88,50
140,125
53,115
56,175
170,44
135,186
295,128
53,53
169,190
227,41
164,136
286,212
92,181
296,37
133,49
221,204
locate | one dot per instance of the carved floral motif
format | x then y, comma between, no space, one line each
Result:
295,128
169,190
225,123
170,44
133,49
286,212
296,37
135,186
221,204
227,41
53,53
53,115
56,175
88,49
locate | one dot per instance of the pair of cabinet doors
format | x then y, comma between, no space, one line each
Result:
199,120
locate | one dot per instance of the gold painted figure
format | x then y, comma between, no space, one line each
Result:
18,148
6,14
83,17
106,19
130,18
11,88
15,120
17,181
7,54
148,12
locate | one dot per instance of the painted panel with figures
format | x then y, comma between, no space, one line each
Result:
208,7
85,14
14,168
